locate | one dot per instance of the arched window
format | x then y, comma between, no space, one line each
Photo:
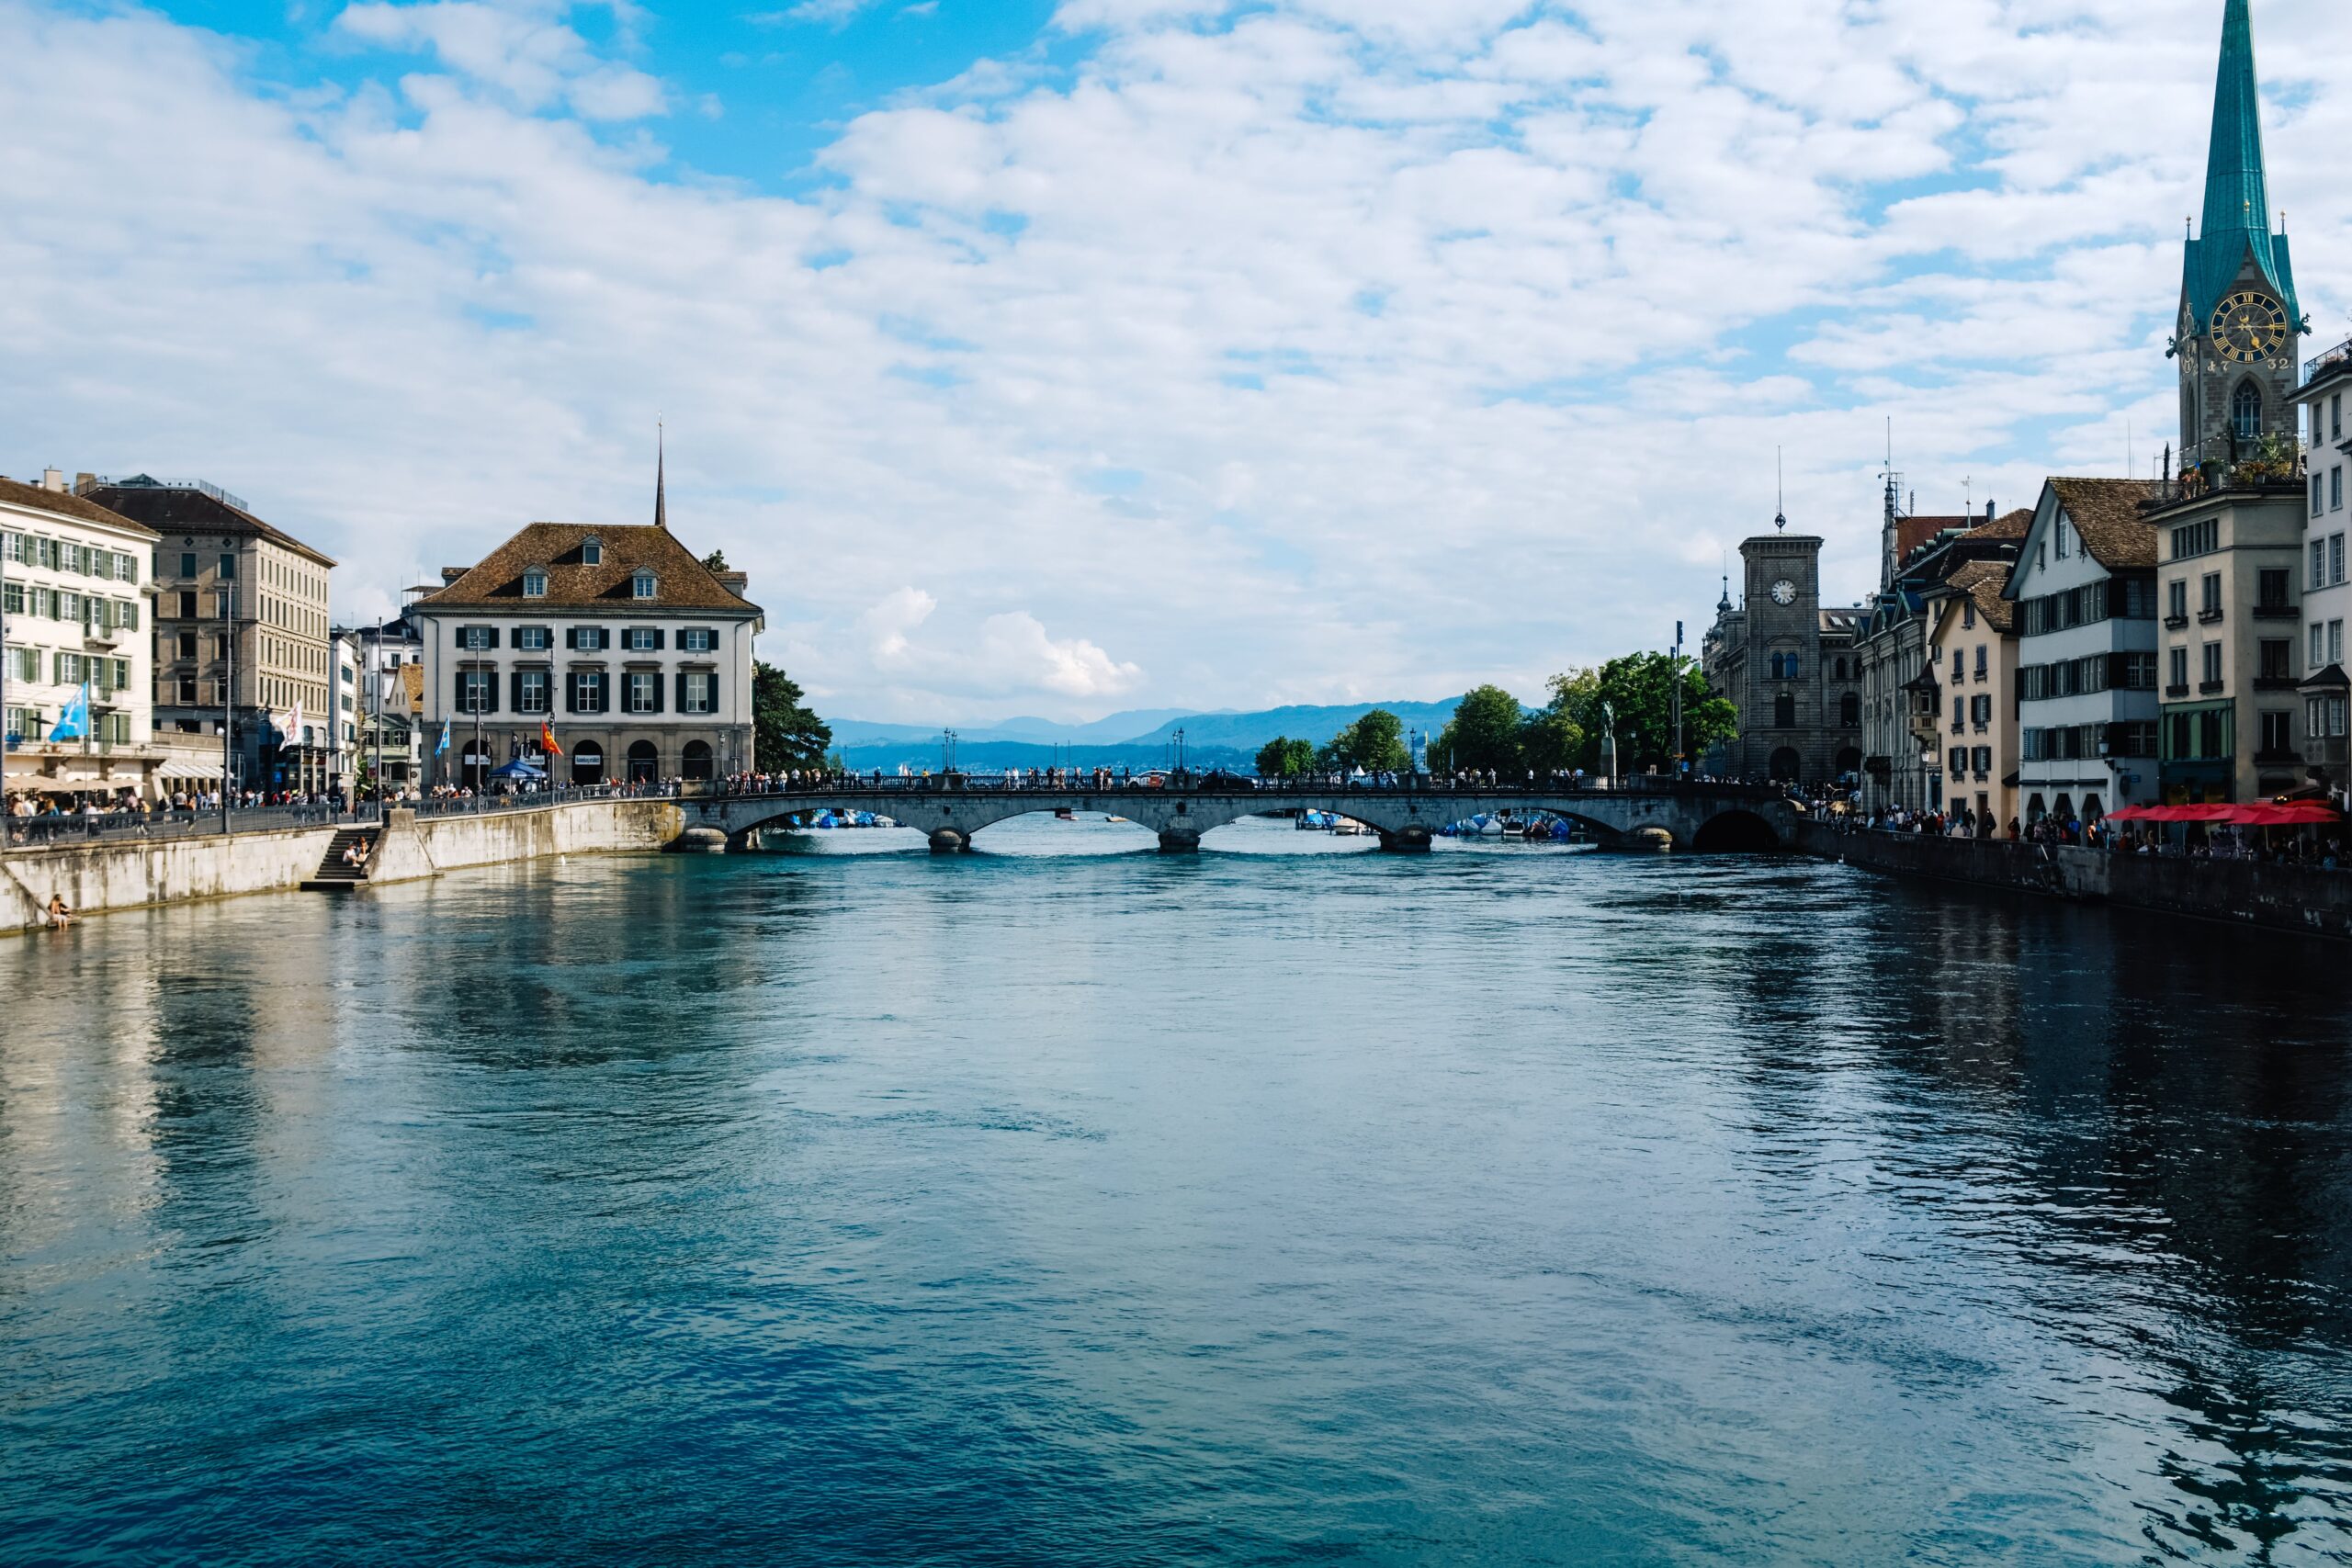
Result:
643,585
1786,765
694,763
2245,411
1850,711
1784,711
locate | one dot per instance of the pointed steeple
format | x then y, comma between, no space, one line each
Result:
660,476
2237,189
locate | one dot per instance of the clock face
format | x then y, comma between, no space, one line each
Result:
2249,326
1784,593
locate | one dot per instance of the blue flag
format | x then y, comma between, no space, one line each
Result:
444,735
74,724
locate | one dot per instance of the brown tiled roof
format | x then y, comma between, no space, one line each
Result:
67,505
1983,581
1910,533
174,509
2106,513
681,583
2010,526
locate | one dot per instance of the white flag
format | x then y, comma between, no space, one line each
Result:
294,726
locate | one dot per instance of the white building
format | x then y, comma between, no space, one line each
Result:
76,613
635,653
2327,587
2084,586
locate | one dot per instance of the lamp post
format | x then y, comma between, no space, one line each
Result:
1677,701
478,757
227,696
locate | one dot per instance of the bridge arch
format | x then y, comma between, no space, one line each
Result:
1735,832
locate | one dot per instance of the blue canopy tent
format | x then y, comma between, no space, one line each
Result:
520,771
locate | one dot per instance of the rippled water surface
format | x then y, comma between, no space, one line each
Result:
1059,1206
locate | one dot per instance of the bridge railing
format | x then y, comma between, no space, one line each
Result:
1410,786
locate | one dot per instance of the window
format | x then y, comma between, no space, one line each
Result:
2319,646
2139,671
2209,595
531,691
1959,667
535,584
478,638
697,639
2335,417
2335,488
2277,732
188,559
586,639
2177,600
474,689
188,606
2278,659
2180,682
1784,711
2335,559
2058,538
588,691
644,639
2196,539
228,566
224,603
1980,760
188,691
2319,492
1957,759
643,692
643,585
1959,715
2246,411
592,551
2212,665
2270,591
1980,710
530,640
2033,745
1981,667
1850,711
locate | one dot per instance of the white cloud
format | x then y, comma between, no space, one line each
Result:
1297,350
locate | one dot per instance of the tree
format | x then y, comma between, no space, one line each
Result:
1566,734
785,733
715,561
1375,742
1638,691
1484,732
1283,758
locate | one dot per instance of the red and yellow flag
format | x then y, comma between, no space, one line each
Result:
547,740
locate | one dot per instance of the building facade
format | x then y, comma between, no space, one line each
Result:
2084,597
1972,645
73,610
2232,622
2326,593
241,630
390,705
637,654
1788,667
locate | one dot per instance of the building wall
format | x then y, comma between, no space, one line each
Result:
284,655
77,610
2115,781
1979,665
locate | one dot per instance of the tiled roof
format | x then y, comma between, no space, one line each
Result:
1983,581
681,583
174,509
2106,513
1910,533
2010,525
65,505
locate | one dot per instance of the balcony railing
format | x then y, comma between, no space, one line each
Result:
2339,358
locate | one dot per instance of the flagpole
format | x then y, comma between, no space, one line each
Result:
228,699
7,819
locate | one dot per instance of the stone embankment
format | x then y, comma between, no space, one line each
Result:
113,874
2247,893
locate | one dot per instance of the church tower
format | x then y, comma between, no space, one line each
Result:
2240,328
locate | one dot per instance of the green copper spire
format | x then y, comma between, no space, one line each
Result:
2237,196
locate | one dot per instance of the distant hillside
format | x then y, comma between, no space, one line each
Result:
1211,739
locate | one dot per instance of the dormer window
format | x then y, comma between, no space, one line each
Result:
643,585
535,584
592,551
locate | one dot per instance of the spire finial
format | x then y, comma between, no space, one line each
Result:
1781,490
660,474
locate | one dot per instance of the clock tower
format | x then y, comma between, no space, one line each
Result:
2239,332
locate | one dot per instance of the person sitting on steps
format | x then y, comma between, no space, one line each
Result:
59,917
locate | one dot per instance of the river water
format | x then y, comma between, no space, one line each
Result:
1284,1204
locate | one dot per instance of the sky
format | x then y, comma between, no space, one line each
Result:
1063,357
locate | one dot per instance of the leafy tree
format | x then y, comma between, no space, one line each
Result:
785,732
1283,758
716,561
1375,742
1566,734
1638,691
1486,731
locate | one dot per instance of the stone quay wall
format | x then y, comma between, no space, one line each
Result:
2247,893
133,874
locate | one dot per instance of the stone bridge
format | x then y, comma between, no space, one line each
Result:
1704,818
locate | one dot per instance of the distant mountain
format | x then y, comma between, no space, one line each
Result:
1131,740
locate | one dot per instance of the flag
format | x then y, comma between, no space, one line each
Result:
74,722
294,726
444,735
547,740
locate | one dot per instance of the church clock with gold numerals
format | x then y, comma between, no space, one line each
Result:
2248,327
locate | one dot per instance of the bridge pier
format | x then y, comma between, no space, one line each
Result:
1415,840
948,842
1180,841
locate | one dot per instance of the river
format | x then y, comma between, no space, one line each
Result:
1282,1204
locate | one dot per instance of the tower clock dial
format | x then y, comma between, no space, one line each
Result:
1784,593
2249,326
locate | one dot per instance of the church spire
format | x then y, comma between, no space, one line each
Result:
2237,191
661,477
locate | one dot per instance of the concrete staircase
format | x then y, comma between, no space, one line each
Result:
334,876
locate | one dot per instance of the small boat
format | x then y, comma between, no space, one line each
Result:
1064,814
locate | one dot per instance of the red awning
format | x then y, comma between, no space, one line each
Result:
2296,814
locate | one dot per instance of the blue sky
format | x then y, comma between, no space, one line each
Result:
1065,355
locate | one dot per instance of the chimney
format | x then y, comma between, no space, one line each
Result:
451,573
85,483
1988,511
53,480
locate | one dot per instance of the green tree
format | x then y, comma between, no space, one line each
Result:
1283,758
1375,742
715,561
1638,691
1486,731
785,732
1567,733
